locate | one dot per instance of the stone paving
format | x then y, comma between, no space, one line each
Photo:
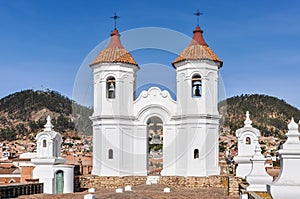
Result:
145,192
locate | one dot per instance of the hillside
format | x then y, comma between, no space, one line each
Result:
269,114
24,113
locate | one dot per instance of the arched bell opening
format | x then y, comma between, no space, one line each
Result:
111,88
196,86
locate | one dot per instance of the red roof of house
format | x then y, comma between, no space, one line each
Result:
7,170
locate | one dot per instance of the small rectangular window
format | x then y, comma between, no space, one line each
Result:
44,143
196,154
110,154
248,140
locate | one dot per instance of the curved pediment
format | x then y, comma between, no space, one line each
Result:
51,135
247,130
154,98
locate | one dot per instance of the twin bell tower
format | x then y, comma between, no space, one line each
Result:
190,125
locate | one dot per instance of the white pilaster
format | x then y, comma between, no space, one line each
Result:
258,177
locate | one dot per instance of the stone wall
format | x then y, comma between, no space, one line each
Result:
90,181
233,185
229,183
178,181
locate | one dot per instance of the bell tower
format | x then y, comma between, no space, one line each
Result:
197,117
190,124
114,75
114,80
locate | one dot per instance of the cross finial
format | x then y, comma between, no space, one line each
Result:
198,13
115,17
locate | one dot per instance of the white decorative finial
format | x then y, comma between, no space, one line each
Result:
293,125
257,151
48,126
292,134
248,122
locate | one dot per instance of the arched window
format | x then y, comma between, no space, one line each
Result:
44,143
196,154
110,154
110,87
196,86
12,181
248,140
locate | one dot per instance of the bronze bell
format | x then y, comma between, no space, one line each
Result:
111,87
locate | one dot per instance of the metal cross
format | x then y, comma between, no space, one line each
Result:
115,17
198,13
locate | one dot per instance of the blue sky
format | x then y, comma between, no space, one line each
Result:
43,43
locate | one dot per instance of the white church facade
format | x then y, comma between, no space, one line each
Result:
190,124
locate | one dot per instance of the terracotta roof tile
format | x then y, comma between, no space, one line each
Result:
114,52
7,170
114,55
197,50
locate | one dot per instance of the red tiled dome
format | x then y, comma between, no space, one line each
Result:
197,50
114,52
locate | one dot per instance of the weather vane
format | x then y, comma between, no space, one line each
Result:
198,13
115,17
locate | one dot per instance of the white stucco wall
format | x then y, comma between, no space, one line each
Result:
207,103
188,123
124,75
46,175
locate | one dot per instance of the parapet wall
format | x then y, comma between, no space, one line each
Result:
178,181
92,181
229,183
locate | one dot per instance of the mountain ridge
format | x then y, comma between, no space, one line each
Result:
23,114
269,114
